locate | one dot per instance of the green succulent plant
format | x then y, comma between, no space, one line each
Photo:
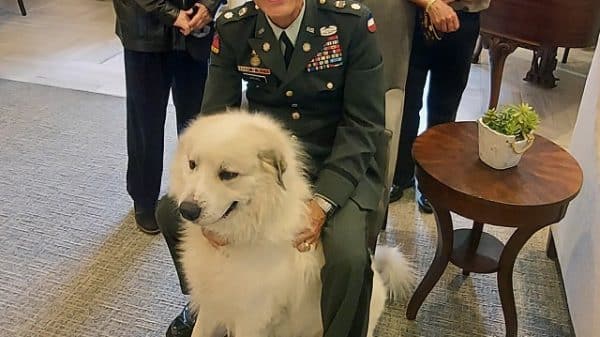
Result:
512,120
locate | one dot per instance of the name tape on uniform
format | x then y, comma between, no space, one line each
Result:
254,70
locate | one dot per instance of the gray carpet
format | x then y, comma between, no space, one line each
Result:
72,262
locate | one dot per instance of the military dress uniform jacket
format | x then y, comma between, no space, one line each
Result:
331,96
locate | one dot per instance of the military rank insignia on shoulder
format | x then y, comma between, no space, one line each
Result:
343,6
235,14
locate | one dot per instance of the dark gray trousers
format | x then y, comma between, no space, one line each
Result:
448,62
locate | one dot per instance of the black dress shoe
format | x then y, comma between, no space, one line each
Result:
146,220
424,204
397,190
396,193
183,324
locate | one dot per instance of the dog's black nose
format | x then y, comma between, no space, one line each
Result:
189,210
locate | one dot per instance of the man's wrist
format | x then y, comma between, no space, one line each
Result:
325,204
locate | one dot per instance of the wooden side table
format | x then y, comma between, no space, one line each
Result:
531,196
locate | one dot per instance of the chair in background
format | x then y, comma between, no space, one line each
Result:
395,24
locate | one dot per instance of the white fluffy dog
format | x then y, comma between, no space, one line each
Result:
241,176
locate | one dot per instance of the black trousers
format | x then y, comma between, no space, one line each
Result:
149,78
448,61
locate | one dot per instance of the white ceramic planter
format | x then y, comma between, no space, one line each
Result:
498,150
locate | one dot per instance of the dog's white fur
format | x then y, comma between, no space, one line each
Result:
258,285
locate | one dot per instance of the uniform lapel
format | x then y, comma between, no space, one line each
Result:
271,58
308,37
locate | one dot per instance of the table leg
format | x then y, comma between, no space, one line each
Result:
474,237
22,7
440,261
499,48
565,55
543,65
551,247
477,51
505,276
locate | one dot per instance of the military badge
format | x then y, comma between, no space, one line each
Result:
330,55
328,31
216,44
254,59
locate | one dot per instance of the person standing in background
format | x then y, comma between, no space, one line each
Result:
166,48
444,38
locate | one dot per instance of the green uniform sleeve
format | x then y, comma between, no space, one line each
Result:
224,83
363,120
165,11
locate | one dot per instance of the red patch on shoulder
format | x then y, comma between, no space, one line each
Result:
215,47
371,26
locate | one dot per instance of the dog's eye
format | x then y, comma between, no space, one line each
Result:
227,175
192,164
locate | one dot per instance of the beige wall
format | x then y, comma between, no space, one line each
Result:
578,235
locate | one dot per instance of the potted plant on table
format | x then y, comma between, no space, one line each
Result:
505,134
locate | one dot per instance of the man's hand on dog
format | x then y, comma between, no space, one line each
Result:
305,239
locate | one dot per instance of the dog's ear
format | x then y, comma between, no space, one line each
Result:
275,161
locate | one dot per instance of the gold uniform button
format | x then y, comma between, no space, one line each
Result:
289,93
295,115
294,137
330,85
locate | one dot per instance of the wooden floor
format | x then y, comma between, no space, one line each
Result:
71,44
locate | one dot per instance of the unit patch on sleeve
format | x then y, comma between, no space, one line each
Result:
371,26
215,47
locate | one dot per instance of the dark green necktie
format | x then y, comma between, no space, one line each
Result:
289,48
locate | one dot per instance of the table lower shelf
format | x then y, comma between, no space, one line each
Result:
485,259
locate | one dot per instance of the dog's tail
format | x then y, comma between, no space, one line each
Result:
396,272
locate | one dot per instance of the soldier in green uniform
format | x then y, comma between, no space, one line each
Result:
315,66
